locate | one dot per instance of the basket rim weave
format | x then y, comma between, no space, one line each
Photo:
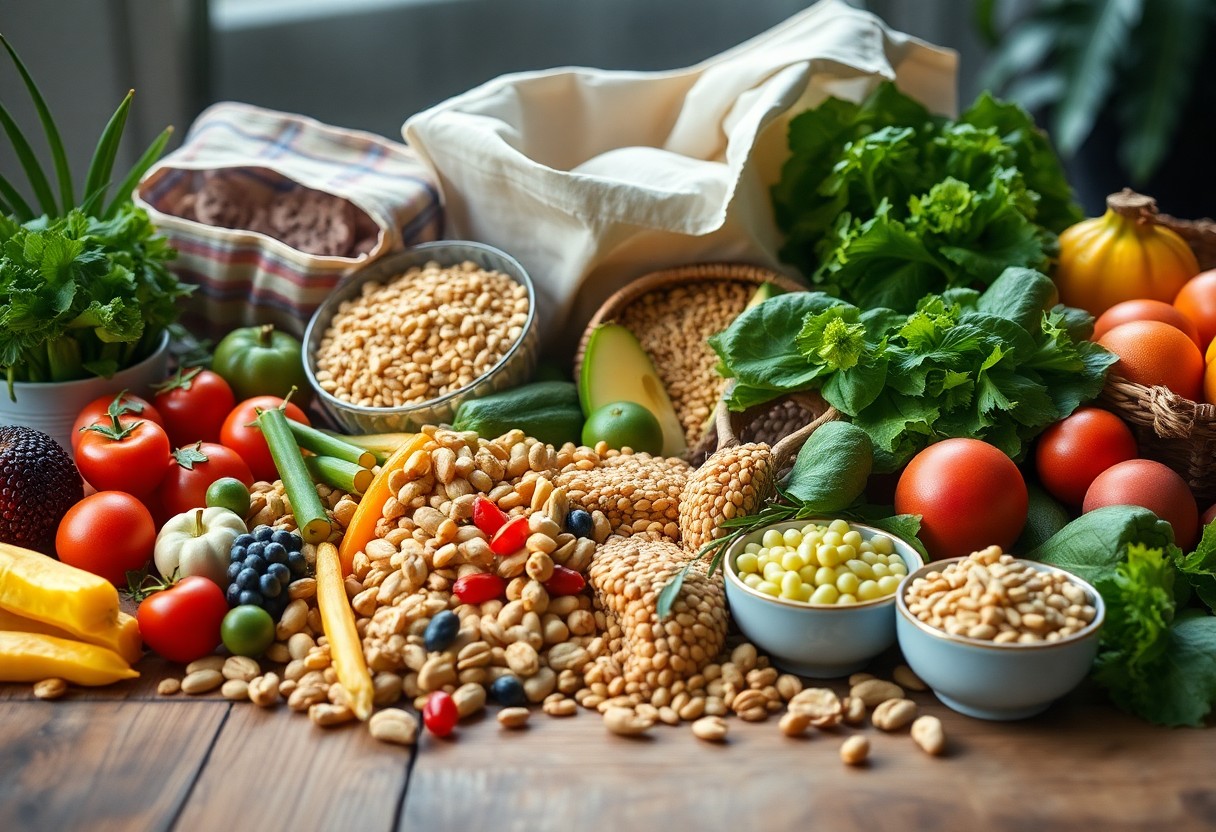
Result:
674,276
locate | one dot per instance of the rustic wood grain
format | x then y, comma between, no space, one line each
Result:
274,769
1081,766
100,765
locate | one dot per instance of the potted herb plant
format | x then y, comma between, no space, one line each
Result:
1122,85
86,297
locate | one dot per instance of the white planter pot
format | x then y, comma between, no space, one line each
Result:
52,406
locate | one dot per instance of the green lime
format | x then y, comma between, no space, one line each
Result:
229,493
624,425
247,630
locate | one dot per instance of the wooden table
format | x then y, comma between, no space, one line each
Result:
125,758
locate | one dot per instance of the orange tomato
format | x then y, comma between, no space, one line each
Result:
1144,309
1197,300
1152,353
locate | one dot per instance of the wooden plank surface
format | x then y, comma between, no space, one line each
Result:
100,766
1080,766
273,769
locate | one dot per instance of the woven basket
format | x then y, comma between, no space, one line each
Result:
784,423
700,273
1170,429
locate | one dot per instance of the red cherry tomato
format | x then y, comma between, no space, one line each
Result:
440,714
241,435
192,470
479,588
969,495
194,405
109,534
511,537
117,457
133,408
565,581
487,516
1072,453
182,623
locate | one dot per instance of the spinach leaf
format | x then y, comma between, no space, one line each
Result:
1092,546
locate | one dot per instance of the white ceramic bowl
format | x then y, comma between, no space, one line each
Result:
996,681
818,640
513,369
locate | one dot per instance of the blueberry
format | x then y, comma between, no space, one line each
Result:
579,523
243,539
269,586
263,533
258,549
442,630
248,596
234,569
247,579
275,553
280,573
297,564
256,563
508,691
290,542
237,553
233,595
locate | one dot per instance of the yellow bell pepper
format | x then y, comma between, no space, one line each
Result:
123,638
35,586
32,657
338,622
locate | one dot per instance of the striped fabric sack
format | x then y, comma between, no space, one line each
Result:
269,211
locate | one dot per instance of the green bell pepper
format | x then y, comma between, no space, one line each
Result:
262,361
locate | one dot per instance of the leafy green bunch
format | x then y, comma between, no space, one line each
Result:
994,366
882,202
1157,650
84,289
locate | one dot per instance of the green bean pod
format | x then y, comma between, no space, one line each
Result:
324,444
339,473
313,523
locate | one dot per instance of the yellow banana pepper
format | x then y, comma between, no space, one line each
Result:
33,585
338,621
32,657
123,638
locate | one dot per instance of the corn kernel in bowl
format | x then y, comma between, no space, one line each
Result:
822,564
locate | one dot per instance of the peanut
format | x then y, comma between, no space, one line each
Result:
469,699
202,681
325,715
393,725
50,689
168,687
264,690
235,689
855,750
625,722
794,723
710,729
513,717
240,667
872,692
893,714
205,663
927,732
907,679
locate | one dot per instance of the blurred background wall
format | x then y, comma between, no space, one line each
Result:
365,63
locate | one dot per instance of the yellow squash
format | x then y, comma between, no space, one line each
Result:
123,638
32,657
35,586
1122,255
338,621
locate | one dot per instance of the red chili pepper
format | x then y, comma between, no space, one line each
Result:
564,581
440,714
479,588
510,538
487,516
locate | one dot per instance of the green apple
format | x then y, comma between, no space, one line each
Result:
615,368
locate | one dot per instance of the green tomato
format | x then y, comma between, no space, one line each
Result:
262,361
247,631
229,493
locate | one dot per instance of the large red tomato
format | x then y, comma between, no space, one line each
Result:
1074,451
1156,487
118,457
969,496
194,405
109,533
241,435
192,470
133,408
